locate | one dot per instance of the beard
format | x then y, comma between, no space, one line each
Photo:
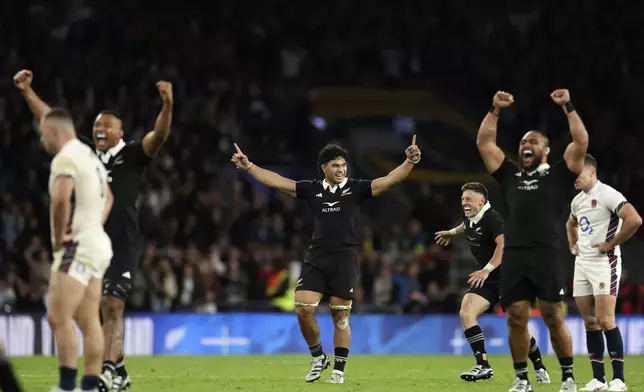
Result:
536,161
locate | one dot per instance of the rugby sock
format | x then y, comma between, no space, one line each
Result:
89,383
476,340
8,381
615,346
341,354
120,367
109,365
535,354
67,378
316,351
566,368
521,370
595,346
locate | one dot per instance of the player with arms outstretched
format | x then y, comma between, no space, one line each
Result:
600,221
483,228
535,193
331,263
125,164
80,203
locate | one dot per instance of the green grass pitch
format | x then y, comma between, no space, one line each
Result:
285,373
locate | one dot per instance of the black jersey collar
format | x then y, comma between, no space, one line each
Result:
332,188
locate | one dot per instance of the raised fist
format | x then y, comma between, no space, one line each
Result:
22,80
165,91
560,96
502,100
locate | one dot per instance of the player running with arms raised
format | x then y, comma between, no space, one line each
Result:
600,221
532,268
483,228
125,164
331,263
80,203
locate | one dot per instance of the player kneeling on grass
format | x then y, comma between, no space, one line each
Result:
80,203
483,228
331,263
600,221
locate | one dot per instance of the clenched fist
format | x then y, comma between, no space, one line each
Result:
165,91
560,96
502,100
22,79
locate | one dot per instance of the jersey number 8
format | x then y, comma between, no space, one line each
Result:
585,226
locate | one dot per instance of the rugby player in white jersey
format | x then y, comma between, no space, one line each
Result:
80,203
600,221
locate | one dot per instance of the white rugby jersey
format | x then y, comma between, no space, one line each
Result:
78,161
596,213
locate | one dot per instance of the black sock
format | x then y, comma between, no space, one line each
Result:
566,368
595,346
341,354
615,346
521,370
67,378
316,351
476,340
120,367
535,354
8,381
109,365
89,383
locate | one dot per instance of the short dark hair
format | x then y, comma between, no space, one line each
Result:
475,187
543,135
58,113
590,160
331,152
111,112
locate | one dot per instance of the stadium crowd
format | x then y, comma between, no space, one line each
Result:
216,240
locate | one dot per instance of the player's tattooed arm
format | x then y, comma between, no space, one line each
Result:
22,80
61,207
153,141
491,153
266,177
396,176
572,234
576,150
444,237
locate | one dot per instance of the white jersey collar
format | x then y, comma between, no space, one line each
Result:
476,218
332,188
109,154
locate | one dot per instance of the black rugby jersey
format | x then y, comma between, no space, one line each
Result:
125,164
535,202
336,212
481,232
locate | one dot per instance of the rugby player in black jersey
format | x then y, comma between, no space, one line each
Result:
483,228
331,263
125,163
536,194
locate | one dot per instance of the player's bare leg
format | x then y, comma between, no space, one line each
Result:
472,307
112,309
340,311
553,316
594,343
87,318
65,295
306,302
8,380
605,313
518,314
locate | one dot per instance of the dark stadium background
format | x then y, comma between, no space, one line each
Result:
282,79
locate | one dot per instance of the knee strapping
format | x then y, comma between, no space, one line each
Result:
305,305
118,290
340,307
343,323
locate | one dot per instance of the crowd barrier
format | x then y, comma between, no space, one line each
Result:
275,333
